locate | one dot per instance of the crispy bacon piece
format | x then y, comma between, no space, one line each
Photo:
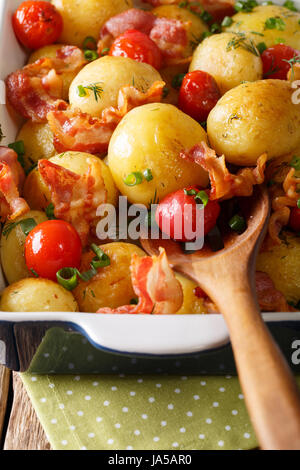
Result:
170,35
11,179
154,283
225,185
74,130
74,197
269,298
217,8
37,89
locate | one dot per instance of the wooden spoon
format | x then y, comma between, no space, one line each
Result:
271,394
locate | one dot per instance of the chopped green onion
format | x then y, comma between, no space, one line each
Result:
34,272
290,5
227,21
215,28
90,55
237,223
18,147
67,277
101,260
134,179
190,192
177,80
88,275
295,163
81,91
105,51
275,23
261,46
148,175
203,196
245,6
134,301
89,43
205,16
280,41
50,211
298,203
27,225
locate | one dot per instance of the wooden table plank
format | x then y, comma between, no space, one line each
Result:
24,429
5,375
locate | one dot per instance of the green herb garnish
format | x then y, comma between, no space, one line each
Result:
89,43
295,163
290,5
94,87
34,272
292,62
203,197
177,80
134,179
261,47
50,211
101,259
237,223
240,40
67,277
227,21
275,23
298,203
245,6
148,175
26,225
90,55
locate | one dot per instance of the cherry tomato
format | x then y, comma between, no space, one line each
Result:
294,222
199,94
37,24
273,58
51,246
172,215
137,46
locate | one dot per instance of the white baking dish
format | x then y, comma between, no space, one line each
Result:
141,334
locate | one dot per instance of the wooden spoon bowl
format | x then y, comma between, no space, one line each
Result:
228,278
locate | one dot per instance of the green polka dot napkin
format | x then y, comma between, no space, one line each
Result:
141,413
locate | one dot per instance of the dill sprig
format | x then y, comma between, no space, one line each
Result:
240,40
292,62
96,88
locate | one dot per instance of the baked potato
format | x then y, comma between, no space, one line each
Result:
151,137
50,51
12,247
282,264
110,74
84,18
112,286
196,29
255,118
38,142
37,295
37,193
268,24
228,65
191,303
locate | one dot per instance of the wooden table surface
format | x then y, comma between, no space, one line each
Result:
20,428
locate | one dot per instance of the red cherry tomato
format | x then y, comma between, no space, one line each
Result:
294,222
273,58
172,215
37,24
137,46
199,94
51,246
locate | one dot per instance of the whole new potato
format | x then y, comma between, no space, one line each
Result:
269,24
38,142
112,286
84,18
282,263
229,65
37,193
12,247
191,303
110,74
37,295
151,137
255,118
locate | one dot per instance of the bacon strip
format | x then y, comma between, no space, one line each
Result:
11,178
74,197
269,298
154,283
37,89
74,130
170,35
225,185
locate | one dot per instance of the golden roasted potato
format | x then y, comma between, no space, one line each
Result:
268,24
191,303
255,118
152,137
197,26
38,142
37,193
84,18
282,264
37,295
50,51
12,247
228,65
110,74
112,286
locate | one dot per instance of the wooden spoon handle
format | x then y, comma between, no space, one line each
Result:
271,393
